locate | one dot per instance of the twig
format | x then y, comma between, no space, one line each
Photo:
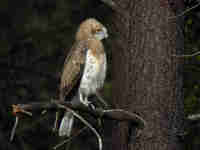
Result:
190,55
109,3
14,128
120,113
72,137
86,123
17,109
184,12
194,117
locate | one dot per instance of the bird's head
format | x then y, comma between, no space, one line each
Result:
91,28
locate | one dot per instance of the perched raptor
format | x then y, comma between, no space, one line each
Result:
84,68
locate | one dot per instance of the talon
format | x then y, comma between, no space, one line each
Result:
86,102
92,106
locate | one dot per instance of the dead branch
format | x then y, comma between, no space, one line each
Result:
14,128
194,117
189,55
110,114
185,12
70,138
87,124
113,114
110,3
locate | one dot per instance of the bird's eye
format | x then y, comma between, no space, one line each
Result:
94,31
98,30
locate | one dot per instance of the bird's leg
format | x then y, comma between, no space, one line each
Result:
55,128
84,100
81,99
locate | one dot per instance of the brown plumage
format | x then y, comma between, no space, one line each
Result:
74,63
84,68
72,69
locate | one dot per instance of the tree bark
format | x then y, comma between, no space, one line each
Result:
146,77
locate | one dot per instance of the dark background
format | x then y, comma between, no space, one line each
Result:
35,37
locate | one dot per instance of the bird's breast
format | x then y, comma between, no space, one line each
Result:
93,74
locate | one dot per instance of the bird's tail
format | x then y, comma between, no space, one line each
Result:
66,124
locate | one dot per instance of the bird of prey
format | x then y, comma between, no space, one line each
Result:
84,69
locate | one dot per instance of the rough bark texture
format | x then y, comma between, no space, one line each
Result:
146,77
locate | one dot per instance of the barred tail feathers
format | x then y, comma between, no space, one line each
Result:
66,124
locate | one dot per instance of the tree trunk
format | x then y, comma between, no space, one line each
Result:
146,77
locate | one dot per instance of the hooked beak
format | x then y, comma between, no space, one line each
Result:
102,34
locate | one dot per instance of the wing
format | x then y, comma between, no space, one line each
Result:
73,68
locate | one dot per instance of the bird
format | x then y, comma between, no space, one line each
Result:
84,70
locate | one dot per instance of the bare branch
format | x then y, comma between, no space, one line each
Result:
190,55
14,129
70,138
120,114
184,12
110,3
17,109
195,117
112,114
87,124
